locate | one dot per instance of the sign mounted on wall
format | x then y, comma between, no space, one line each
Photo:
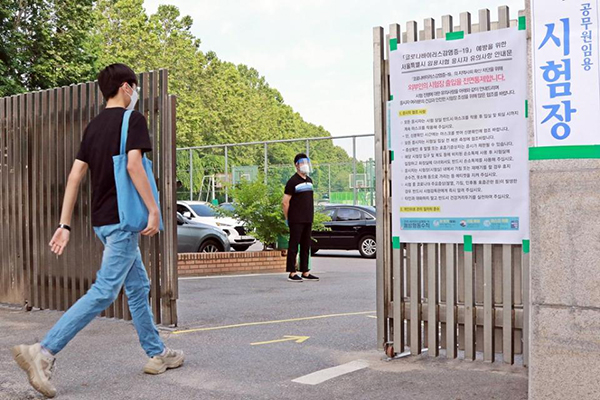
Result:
458,125
566,78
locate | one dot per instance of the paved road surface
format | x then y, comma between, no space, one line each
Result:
251,338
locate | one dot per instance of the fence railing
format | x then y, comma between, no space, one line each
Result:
358,181
439,296
40,134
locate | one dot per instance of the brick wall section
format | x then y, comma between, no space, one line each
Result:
247,262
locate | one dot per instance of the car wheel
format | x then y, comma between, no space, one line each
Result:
313,251
367,247
241,248
210,246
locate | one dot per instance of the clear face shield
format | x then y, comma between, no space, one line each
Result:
304,166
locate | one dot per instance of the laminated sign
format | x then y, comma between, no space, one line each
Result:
566,83
458,126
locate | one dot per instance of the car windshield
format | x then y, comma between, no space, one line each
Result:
371,210
227,206
203,210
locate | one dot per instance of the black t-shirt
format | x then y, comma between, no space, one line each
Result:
101,141
302,206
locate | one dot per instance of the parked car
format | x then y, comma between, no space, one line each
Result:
195,237
351,228
200,211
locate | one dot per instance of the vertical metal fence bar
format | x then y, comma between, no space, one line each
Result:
415,298
450,301
26,123
151,85
167,182
488,305
398,300
442,294
379,109
353,169
479,296
43,203
517,303
169,148
460,294
191,177
469,306
50,193
14,212
226,175
266,166
58,176
507,300
526,300
432,299
4,168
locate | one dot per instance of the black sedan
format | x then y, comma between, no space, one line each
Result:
351,228
195,237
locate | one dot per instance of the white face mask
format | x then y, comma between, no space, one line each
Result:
134,98
305,169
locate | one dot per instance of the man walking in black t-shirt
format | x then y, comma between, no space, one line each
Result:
298,209
121,262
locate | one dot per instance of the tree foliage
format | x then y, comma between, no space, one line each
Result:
45,43
48,43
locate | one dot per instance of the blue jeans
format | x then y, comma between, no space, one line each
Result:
121,264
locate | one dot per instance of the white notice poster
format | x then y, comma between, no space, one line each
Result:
459,134
566,62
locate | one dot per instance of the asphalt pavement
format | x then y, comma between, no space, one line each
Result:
257,337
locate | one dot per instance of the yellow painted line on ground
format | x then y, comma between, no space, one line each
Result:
281,321
297,339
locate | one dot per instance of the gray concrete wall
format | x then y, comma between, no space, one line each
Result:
565,280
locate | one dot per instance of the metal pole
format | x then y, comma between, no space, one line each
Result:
266,162
226,177
308,148
354,167
329,182
191,177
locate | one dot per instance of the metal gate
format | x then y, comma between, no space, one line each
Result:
40,133
447,297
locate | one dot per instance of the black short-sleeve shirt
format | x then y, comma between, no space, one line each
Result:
302,206
101,141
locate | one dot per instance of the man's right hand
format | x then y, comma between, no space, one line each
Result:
153,224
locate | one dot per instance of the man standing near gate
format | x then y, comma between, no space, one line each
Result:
298,210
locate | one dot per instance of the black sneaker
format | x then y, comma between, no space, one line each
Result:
295,278
310,277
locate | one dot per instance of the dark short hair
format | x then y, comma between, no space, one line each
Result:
299,157
112,77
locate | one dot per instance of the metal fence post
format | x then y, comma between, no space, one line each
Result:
307,148
191,178
226,177
354,169
329,183
266,162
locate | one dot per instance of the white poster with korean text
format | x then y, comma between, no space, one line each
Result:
566,81
458,128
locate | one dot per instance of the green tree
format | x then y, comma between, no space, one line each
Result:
45,43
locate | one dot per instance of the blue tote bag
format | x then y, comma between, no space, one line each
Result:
133,213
